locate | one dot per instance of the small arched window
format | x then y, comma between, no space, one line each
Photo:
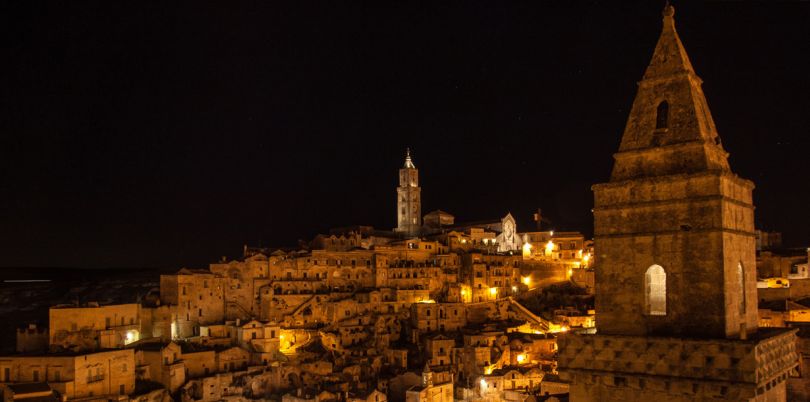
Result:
662,116
655,290
741,281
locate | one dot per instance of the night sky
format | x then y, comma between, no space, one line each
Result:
155,134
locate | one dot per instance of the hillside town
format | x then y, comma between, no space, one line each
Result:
436,310
427,311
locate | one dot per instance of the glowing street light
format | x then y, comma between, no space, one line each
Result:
131,336
527,280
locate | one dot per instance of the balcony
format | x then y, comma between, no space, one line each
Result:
95,378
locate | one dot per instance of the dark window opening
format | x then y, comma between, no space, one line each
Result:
662,118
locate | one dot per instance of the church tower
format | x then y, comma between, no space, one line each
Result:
673,220
676,297
409,204
427,376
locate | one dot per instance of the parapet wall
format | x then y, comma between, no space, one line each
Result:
602,366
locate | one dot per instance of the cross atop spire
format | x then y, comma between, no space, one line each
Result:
408,162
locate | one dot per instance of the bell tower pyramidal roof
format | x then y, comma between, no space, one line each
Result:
669,56
670,129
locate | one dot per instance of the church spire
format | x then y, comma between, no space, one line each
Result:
408,162
670,129
427,376
670,56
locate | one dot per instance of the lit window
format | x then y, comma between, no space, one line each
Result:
655,290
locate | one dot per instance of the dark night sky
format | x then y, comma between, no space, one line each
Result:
159,134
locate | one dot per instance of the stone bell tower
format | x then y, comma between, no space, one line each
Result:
676,298
674,226
409,204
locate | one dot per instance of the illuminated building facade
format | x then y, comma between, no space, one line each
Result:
409,199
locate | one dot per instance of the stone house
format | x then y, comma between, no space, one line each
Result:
75,375
440,350
242,279
371,395
430,389
511,378
28,392
32,339
93,327
162,363
232,359
198,361
430,317
199,297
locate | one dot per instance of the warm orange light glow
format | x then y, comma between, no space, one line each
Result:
549,247
493,291
527,280
131,336
521,358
